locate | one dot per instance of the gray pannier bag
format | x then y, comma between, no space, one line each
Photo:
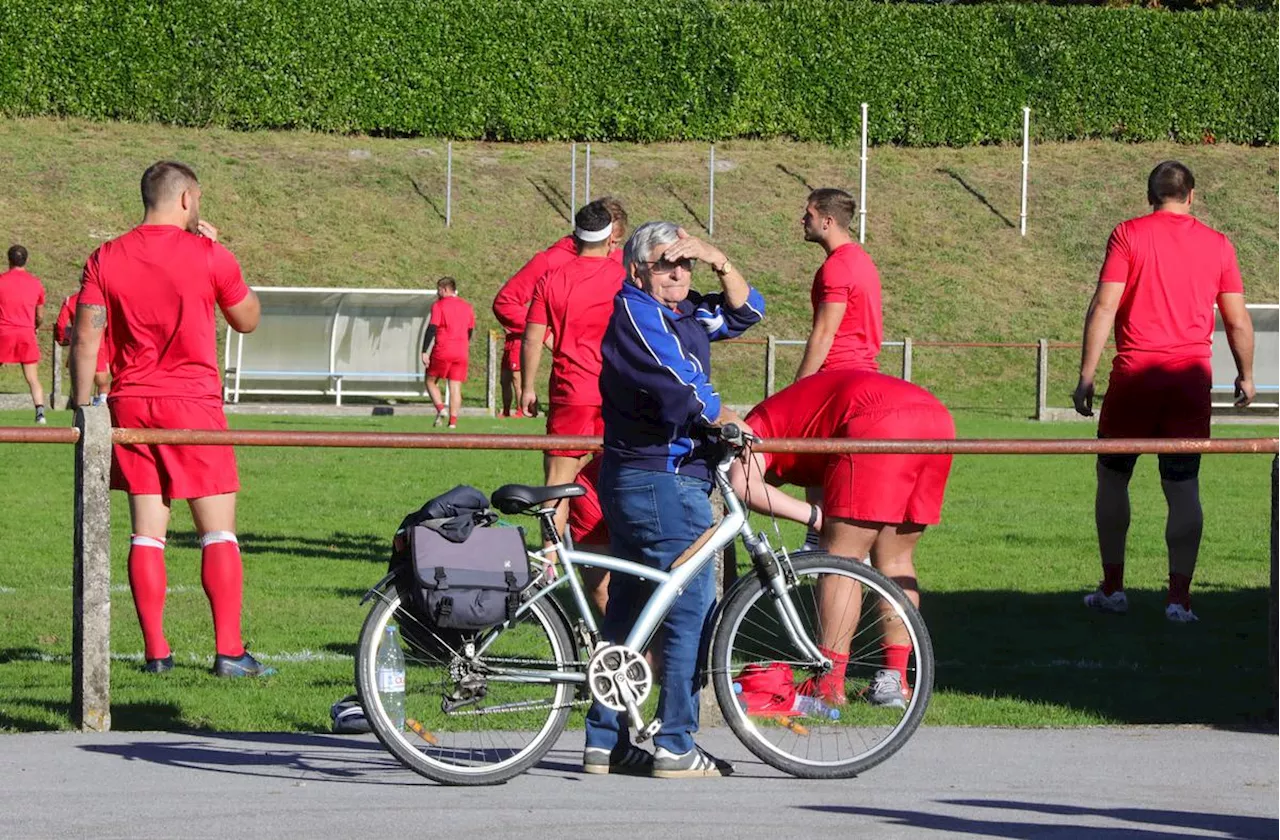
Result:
469,585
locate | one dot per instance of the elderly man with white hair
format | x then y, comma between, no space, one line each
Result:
655,474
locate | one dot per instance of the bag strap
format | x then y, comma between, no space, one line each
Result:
442,578
513,595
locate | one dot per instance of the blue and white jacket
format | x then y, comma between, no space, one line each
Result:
655,380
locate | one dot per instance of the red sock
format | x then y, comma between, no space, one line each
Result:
831,684
1112,578
453,419
895,659
439,408
1179,590
222,574
147,580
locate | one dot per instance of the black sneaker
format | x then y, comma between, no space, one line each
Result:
696,763
240,666
158,666
624,758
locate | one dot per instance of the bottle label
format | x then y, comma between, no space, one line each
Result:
390,681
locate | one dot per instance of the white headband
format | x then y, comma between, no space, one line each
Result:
594,235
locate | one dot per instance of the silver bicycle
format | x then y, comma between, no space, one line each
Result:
483,707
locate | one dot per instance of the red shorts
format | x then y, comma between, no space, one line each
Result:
586,520
511,352
104,356
1170,401
169,470
19,347
879,488
454,370
573,420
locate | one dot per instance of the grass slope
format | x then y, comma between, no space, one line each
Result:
303,209
1002,579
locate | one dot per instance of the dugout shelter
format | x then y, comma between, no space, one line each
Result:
330,342
1266,359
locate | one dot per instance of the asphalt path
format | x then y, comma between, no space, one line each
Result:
1130,782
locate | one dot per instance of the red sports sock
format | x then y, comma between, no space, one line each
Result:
222,574
453,419
831,684
147,580
1112,578
439,408
1179,590
895,658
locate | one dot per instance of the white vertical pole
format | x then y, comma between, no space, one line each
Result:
862,181
573,182
448,187
586,187
711,202
1026,151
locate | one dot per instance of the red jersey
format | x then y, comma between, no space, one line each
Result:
849,276
575,303
66,315
454,319
823,406
21,293
160,284
1173,267
511,304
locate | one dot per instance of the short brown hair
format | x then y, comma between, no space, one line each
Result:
616,210
835,203
447,283
17,256
1169,181
165,179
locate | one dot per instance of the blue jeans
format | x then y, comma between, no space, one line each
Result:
653,517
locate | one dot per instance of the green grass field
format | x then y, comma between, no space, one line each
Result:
303,209
1002,580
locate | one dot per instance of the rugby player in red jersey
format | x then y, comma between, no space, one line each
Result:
155,289
1160,278
62,335
446,348
21,313
875,506
511,304
574,304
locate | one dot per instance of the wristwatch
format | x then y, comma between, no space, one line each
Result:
724,267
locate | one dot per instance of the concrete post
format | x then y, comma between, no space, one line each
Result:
55,389
91,588
491,378
906,358
1042,379
770,364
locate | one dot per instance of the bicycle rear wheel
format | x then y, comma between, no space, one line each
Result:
463,725
750,633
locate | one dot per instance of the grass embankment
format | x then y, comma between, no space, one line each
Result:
1002,580
303,209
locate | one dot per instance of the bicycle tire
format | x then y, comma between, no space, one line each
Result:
467,751
871,733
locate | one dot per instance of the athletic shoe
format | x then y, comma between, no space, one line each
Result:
886,690
439,419
624,759
1179,614
40,421
348,717
1117,602
453,424
158,666
832,695
240,666
696,763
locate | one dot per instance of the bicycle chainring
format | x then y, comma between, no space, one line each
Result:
613,667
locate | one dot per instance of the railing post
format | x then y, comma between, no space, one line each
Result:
91,588
491,366
1042,379
55,389
1274,619
906,358
770,364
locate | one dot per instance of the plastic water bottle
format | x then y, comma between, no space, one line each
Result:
390,676
813,707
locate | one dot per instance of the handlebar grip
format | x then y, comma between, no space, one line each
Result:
731,432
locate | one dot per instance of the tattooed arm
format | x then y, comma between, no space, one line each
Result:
91,321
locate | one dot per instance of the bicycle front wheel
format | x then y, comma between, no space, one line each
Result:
839,603
465,724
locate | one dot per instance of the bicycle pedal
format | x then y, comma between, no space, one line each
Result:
649,731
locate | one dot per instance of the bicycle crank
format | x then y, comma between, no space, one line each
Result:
619,677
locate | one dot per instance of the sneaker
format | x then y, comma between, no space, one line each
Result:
240,666
158,666
40,421
886,690
1099,601
453,424
830,693
624,758
1179,614
348,717
696,763
439,419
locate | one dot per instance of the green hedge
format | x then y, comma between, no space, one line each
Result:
637,70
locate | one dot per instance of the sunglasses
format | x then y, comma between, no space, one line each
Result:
664,267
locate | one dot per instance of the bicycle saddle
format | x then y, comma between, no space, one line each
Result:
517,498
